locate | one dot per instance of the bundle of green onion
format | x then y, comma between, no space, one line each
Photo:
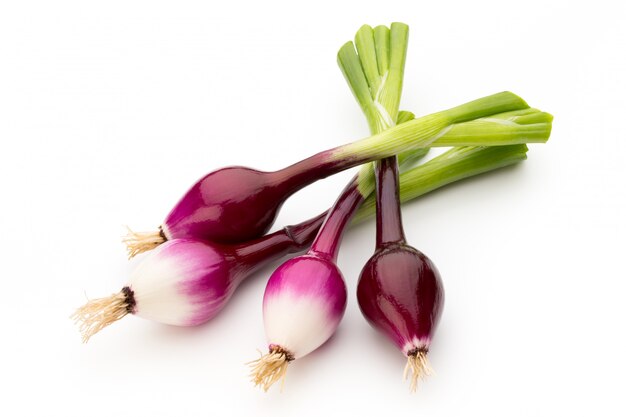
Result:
215,236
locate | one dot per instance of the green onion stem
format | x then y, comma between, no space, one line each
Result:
456,127
451,166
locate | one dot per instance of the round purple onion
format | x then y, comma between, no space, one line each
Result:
399,290
401,294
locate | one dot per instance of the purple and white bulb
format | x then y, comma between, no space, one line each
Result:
186,282
183,282
303,304
305,298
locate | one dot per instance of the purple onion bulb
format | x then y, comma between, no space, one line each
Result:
305,298
400,291
186,282
301,313
401,294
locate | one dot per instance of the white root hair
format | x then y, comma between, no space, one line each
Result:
99,313
140,242
419,367
270,368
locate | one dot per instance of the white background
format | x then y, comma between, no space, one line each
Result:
110,110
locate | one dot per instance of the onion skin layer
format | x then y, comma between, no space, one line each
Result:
401,294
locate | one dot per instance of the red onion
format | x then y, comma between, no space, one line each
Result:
305,298
237,204
399,291
186,282
161,275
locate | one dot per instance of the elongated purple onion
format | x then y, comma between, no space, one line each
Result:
186,282
236,204
400,291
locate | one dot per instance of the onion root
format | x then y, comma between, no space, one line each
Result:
270,368
419,366
99,313
140,242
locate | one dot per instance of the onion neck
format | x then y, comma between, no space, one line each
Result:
327,242
313,168
255,254
389,228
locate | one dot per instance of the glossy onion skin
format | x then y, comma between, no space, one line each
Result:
230,205
304,302
401,294
237,204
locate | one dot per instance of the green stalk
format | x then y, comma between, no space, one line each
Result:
382,41
527,125
451,166
366,48
408,158
374,73
375,78
502,119
380,105
366,176
451,128
391,90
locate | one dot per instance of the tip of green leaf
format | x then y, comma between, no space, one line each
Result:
537,116
345,47
520,102
399,25
548,117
